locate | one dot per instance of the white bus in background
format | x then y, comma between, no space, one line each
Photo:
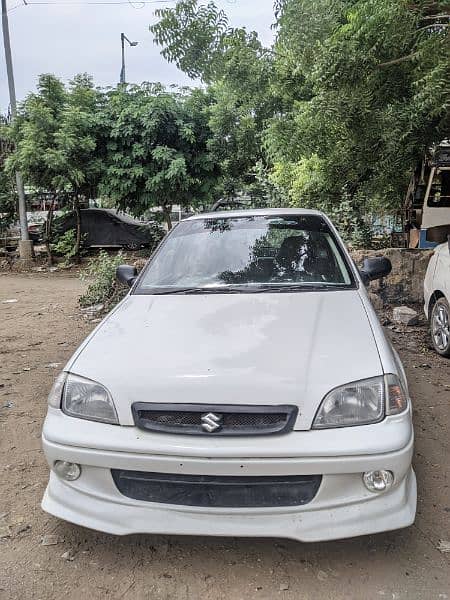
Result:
428,201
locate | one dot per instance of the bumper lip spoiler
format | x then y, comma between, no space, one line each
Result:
309,523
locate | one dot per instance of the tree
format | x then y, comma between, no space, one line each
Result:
77,159
156,149
8,198
55,136
367,92
33,133
193,37
238,69
342,106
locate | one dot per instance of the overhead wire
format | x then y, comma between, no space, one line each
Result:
136,7
141,3
92,2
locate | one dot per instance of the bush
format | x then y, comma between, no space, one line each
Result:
65,245
351,225
103,287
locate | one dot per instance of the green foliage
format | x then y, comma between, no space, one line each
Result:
304,182
140,146
235,142
157,149
193,37
8,200
238,68
334,116
65,245
366,89
55,136
103,287
33,133
263,191
342,107
351,225
76,156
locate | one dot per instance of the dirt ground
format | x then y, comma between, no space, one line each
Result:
37,334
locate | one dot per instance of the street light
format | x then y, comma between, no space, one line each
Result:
123,37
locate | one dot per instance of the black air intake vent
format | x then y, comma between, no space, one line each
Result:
203,419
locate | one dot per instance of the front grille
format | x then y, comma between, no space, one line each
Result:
231,420
201,419
217,491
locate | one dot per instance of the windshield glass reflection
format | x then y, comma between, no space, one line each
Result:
248,252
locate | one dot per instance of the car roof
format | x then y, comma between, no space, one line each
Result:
114,213
257,212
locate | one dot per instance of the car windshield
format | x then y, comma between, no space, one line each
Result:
252,253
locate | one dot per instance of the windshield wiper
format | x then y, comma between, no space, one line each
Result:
194,290
244,288
287,287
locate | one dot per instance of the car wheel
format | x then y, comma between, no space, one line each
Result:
440,327
133,246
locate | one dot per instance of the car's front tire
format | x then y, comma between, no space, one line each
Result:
440,327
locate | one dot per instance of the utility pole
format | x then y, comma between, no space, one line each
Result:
25,245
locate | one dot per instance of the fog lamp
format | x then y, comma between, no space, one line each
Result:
378,481
67,470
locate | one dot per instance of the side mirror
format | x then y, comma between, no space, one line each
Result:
375,268
126,274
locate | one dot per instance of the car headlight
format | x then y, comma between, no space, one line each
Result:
361,402
82,398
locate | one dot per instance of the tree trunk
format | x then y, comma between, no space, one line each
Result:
76,206
167,210
48,234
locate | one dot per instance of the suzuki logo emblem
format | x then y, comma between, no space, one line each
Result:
211,422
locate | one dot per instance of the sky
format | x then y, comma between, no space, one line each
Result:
68,37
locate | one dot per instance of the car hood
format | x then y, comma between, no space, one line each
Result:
281,348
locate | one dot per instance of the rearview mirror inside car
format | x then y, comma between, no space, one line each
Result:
126,274
375,268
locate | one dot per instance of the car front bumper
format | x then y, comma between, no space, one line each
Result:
342,507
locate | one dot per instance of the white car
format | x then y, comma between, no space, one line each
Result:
437,298
244,387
